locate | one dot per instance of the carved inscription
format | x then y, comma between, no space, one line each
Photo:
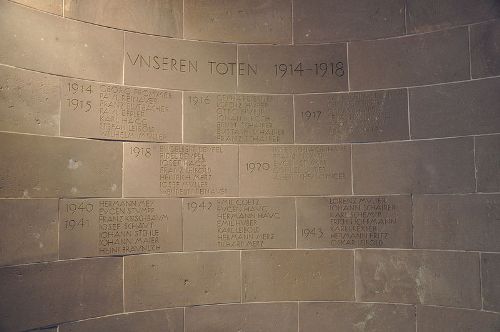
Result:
354,222
243,118
294,69
182,64
189,65
105,227
295,169
219,67
351,117
238,223
90,109
180,170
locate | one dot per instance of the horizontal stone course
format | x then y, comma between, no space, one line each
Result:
41,166
351,117
59,46
409,61
440,319
342,316
429,15
29,102
171,320
157,17
457,222
181,279
252,317
426,166
297,275
321,21
28,231
45,294
420,277
242,21
456,109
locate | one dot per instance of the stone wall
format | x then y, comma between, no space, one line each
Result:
250,165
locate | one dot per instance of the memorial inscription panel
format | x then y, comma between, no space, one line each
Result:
238,223
180,170
294,69
98,110
182,64
351,117
295,170
237,118
354,222
108,227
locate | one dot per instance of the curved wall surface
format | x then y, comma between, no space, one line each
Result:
250,165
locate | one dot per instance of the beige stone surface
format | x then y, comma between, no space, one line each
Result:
427,166
180,64
487,163
59,46
181,279
413,60
40,166
253,317
46,294
455,109
157,17
320,21
238,223
485,49
295,170
490,273
51,6
180,170
110,227
440,319
351,117
429,15
237,118
29,102
294,69
97,110
354,222
356,317
457,222
446,278
242,21
297,275
28,231
171,320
